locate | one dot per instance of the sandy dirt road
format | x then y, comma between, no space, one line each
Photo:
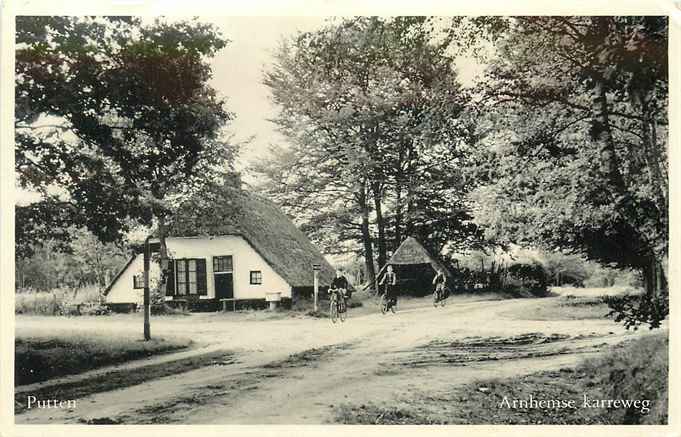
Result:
294,371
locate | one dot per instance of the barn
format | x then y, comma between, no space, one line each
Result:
415,268
257,251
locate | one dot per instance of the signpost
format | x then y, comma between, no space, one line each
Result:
315,271
147,299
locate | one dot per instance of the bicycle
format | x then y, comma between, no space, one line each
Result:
387,304
337,308
440,297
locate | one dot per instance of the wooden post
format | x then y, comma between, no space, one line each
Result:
315,272
147,299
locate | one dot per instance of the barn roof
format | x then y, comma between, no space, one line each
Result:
267,229
411,252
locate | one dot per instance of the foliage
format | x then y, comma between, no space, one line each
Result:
60,301
591,178
638,309
573,140
83,261
118,116
374,112
530,277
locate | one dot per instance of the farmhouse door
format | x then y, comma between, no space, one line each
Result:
224,286
224,280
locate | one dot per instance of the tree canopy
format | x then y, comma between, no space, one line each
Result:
375,116
116,116
576,151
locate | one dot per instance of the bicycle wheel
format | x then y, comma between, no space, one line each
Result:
393,305
384,304
342,314
333,310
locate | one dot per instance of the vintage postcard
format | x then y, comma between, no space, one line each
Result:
435,217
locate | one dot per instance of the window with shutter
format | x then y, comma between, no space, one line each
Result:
170,286
191,276
181,277
201,283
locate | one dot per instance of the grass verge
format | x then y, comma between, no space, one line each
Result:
45,357
118,379
567,307
635,370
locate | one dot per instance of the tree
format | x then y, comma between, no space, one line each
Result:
84,261
576,158
119,116
374,112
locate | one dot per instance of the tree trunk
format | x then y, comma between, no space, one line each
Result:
652,160
366,237
602,132
399,200
163,256
409,219
398,216
380,223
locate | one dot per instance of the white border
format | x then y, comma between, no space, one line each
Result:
11,8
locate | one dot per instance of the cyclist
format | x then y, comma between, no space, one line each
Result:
440,281
390,280
339,285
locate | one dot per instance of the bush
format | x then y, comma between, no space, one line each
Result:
637,309
166,310
60,301
527,278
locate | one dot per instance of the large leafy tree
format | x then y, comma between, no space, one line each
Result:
576,152
115,121
374,113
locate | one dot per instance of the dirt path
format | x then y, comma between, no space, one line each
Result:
298,370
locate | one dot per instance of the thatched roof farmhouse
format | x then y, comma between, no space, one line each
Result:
241,251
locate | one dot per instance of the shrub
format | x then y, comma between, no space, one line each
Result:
60,301
166,310
637,309
527,278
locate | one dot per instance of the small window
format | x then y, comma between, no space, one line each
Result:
256,277
138,281
222,264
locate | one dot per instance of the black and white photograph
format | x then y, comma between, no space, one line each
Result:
340,220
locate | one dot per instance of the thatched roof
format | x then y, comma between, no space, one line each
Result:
411,252
266,228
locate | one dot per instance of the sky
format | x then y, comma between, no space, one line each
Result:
238,74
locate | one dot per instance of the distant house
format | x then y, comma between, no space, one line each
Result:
257,251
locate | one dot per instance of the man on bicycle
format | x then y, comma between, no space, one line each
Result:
390,280
440,281
339,285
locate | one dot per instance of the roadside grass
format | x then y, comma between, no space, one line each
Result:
41,355
635,370
123,378
566,307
